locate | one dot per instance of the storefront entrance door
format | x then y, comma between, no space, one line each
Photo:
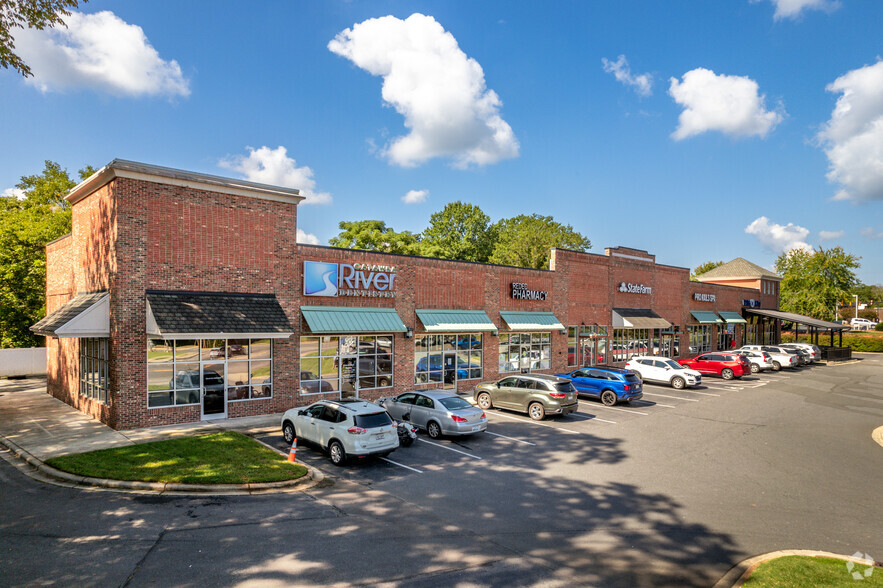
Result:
450,371
214,390
666,345
349,381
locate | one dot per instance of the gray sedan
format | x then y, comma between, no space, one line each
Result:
437,411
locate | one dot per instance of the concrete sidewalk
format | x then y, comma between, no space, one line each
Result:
47,427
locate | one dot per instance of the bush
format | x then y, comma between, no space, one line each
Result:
879,327
870,342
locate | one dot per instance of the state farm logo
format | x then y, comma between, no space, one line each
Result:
634,288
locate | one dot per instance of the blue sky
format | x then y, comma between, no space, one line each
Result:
714,136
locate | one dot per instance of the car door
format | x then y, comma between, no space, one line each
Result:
657,370
421,410
401,405
583,381
704,365
523,393
325,425
503,394
306,423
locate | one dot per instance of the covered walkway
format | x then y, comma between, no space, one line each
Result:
815,326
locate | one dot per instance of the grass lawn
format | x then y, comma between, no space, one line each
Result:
217,458
798,570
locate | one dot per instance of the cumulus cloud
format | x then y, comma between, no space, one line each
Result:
438,89
307,238
853,137
778,238
870,233
274,167
729,104
17,193
793,8
415,196
642,84
102,52
831,235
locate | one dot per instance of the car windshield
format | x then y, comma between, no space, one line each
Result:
454,403
373,420
673,364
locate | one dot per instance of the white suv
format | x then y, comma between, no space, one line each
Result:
343,428
665,370
760,360
780,359
862,324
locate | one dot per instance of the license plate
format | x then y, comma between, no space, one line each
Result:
638,388
380,436
476,428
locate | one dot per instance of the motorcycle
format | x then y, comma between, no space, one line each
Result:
407,432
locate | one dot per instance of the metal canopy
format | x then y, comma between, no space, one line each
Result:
798,318
531,321
731,317
706,317
638,318
454,320
85,315
345,319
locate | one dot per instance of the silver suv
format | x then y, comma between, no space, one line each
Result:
344,428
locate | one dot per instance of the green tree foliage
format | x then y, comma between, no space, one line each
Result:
459,231
814,281
704,267
374,235
35,14
525,240
26,225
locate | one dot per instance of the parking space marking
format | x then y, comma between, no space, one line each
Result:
401,465
698,392
674,397
590,418
511,438
449,448
520,420
648,403
621,409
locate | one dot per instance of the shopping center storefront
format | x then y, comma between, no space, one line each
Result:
181,297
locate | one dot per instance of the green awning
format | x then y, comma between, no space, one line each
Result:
345,319
732,317
531,321
705,317
437,321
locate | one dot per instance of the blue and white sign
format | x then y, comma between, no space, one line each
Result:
320,279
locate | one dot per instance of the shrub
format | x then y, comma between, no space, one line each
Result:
879,327
866,342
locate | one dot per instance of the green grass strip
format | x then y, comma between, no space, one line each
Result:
799,570
217,458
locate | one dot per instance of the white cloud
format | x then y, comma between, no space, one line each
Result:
729,104
17,193
415,196
831,235
643,83
307,238
870,233
853,137
274,167
792,8
779,238
99,51
438,89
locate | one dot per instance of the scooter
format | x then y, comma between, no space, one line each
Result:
407,432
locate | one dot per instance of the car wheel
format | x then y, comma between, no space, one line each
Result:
608,397
338,455
288,432
484,401
536,411
776,366
678,383
755,368
433,429
382,382
727,374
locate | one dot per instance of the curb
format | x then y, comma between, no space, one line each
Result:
739,573
58,477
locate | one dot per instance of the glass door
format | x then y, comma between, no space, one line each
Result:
214,389
450,370
349,381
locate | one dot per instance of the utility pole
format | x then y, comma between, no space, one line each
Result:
856,305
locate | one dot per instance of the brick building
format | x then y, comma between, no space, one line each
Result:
181,296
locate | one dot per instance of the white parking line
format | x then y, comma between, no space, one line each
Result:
647,402
591,418
401,465
674,397
698,392
520,420
510,438
449,448
619,409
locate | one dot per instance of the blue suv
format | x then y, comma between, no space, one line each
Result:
610,385
436,369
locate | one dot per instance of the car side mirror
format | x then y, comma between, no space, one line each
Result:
498,384
301,412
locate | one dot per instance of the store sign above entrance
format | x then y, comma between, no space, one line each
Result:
701,297
634,288
751,303
521,292
349,279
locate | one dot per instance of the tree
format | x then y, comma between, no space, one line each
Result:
525,240
459,231
35,14
28,223
814,281
704,267
374,235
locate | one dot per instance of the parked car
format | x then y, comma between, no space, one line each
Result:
718,364
346,428
760,361
862,324
186,382
799,356
664,370
438,412
311,384
610,385
813,350
535,394
780,359
434,366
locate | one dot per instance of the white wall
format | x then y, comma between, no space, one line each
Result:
23,362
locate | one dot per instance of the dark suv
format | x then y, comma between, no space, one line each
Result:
610,385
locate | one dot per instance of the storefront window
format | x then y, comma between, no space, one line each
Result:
344,364
700,338
726,337
628,343
177,371
525,351
572,348
94,382
447,358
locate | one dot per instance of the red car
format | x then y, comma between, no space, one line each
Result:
725,365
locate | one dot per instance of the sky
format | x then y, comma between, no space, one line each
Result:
696,130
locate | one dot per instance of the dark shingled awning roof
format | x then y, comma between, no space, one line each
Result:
206,315
85,315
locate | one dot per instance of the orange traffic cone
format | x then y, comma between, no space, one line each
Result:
293,451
